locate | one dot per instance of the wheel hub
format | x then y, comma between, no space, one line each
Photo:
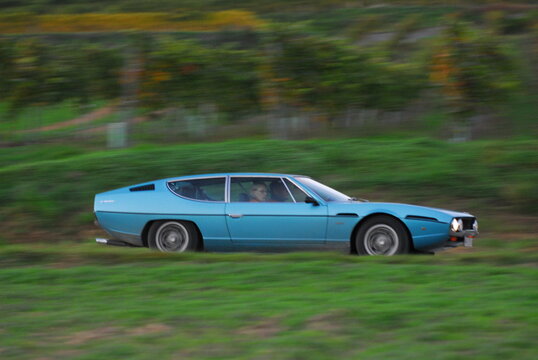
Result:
172,237
381,239
382,242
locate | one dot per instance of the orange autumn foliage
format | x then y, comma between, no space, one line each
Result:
29,23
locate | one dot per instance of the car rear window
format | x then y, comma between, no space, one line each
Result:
207,189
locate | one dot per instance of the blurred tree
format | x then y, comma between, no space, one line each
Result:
235,79
330,76
82,72
130,78
363,25
392,86
317,73
37,72
29,74
7,66
533,50
102,66
473,73
186,74
174,74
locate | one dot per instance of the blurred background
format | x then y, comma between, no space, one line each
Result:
408,100
422,101
183,71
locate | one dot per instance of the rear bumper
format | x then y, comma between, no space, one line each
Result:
112,242
109,225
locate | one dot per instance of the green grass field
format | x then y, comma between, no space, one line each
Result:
95,302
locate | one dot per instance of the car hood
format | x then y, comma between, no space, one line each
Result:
396,209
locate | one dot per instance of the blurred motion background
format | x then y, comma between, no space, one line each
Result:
180,71
423,101
419,98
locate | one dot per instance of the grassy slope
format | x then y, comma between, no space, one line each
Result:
244,306
31,118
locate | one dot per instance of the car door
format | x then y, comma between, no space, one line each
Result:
201,200
274,220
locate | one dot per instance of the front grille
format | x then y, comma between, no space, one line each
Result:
467,223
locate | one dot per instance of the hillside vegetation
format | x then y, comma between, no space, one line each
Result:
332,63
74,6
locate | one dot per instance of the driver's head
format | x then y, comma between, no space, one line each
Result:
258,192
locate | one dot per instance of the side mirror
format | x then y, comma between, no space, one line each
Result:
311,200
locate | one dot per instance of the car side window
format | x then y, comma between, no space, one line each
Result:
209,189
298,194
258,189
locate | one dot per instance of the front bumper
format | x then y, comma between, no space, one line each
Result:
462,238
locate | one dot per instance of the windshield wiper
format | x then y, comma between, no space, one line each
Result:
353,198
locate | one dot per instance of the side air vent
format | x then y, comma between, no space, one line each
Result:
147,187
424,218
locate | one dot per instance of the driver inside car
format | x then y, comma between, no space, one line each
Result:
258,192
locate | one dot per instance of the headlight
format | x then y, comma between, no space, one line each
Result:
475,225
456,225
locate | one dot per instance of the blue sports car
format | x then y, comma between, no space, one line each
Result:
254,211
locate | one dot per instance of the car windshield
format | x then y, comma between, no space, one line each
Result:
325,192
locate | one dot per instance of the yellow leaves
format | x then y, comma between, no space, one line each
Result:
102,22
238,18
494,16
17,23
159,76
268,97
444,73
227,19
27,23
441,68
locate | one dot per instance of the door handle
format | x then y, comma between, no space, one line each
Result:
235,216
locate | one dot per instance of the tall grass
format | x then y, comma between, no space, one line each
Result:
245,306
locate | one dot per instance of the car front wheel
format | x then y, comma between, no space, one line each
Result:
382,235
172,236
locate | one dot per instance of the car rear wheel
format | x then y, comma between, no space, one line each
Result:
382,235
172,236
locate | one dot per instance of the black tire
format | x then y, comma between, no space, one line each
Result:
382,235
173,236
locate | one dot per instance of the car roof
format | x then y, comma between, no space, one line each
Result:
246,174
